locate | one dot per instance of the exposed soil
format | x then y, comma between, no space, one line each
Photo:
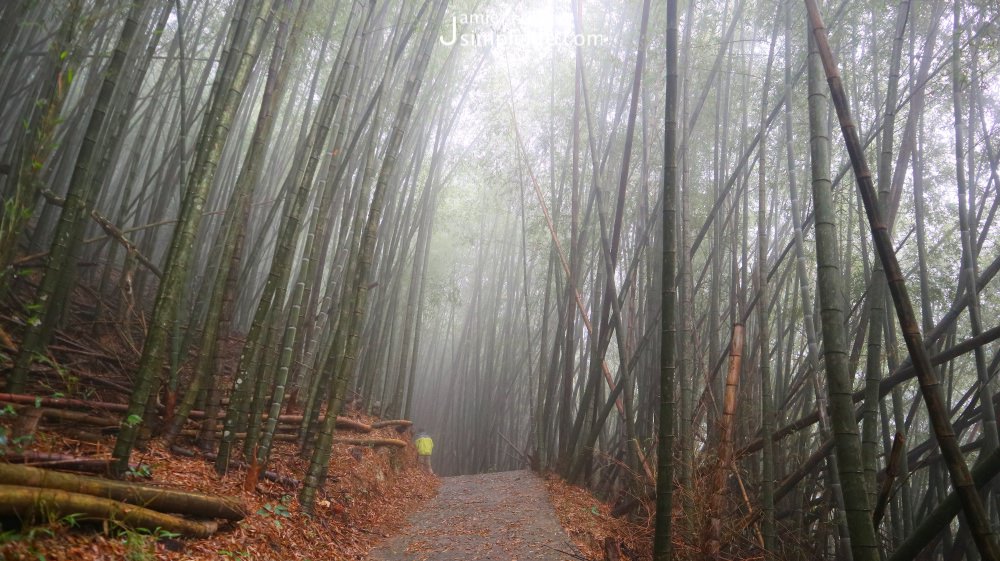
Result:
489,517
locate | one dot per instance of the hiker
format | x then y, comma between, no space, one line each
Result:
424,446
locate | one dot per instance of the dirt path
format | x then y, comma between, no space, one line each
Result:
490,517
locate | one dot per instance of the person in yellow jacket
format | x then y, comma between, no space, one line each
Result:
424,446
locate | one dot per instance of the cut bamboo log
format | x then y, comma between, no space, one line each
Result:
391,423
345,423
61,461
61,402
59,405
280,437
336,440
34,503
81,418
370,441
155,498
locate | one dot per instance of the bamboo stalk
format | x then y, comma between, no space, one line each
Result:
891,471
930,388
713,533
156,498
29,503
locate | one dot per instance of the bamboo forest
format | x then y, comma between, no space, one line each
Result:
500,280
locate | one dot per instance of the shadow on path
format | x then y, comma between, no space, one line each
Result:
488,517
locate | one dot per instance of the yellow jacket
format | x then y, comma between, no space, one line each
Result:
424,445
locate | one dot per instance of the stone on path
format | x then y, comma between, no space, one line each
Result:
488,517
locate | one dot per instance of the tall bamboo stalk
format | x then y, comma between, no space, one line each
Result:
662,546
864,546
930,388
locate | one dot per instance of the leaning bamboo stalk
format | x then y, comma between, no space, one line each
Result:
930,388
891,471
930,528
29,503
154,498
901,374
647,470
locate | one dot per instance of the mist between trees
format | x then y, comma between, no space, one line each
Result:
492,217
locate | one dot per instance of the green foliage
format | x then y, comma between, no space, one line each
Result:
66,378
141,471
140,543
276,511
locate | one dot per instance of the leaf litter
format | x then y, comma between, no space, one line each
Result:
361,502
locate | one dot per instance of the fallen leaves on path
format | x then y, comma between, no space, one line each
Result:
588,522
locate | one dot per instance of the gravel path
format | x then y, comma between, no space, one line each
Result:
489,517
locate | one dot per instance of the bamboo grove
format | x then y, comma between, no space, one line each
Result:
735,259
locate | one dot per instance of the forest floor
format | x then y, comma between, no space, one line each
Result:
368,496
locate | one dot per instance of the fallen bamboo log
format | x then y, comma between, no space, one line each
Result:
370,441
78,417
156,498
345,423
61,461
336,440
61,402
293,422
278,437
35,503
392,423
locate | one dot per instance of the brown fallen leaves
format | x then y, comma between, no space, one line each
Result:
368,495
588,522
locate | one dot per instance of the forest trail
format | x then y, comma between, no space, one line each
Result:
502,516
